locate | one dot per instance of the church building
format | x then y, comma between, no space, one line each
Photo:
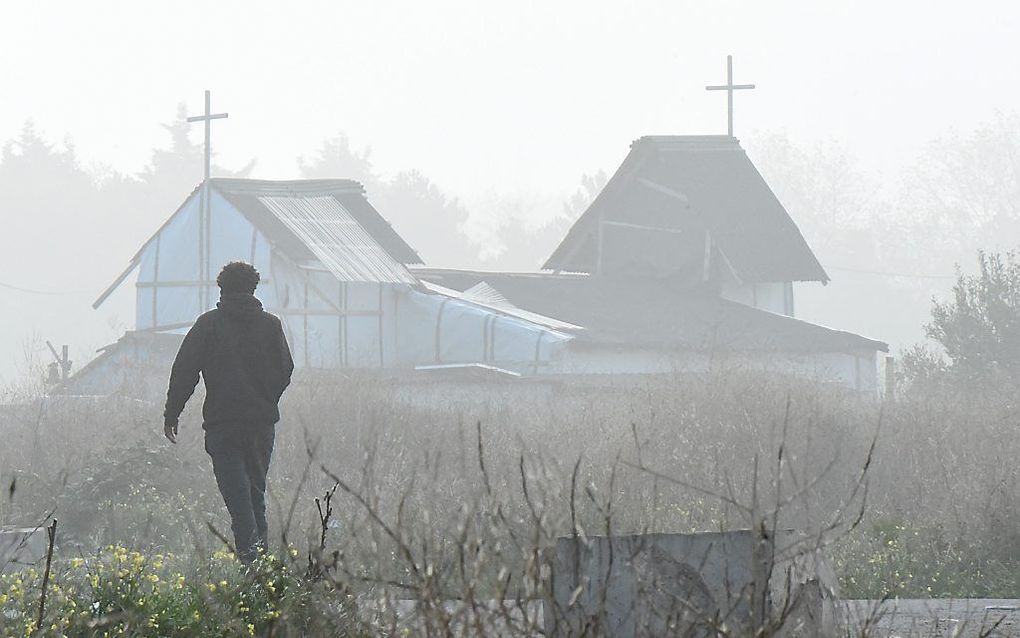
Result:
684,262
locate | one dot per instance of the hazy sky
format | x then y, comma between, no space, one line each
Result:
488,99
508,98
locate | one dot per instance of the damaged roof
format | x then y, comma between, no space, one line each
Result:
250,197
325,220
654,315
695,183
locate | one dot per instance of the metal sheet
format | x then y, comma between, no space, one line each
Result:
487,297
332,234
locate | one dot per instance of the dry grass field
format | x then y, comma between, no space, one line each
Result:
453,499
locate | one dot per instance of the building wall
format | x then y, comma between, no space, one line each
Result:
170,289
774,297
858,371
334,324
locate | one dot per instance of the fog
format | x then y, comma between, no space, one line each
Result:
502,108
489,137
511,106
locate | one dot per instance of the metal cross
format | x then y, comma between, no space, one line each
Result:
205,226
729,87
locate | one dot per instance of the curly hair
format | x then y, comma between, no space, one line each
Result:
238,277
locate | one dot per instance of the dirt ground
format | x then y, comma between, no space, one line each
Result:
942,618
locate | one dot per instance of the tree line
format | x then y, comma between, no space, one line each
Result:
890,242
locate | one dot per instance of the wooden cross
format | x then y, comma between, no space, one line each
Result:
207,118
203,211
729,87
61,362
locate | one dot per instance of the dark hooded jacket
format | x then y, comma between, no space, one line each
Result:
242,354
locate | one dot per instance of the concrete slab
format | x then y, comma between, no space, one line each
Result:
21,547
935,618
694,585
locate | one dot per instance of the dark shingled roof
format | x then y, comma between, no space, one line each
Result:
694,183
654,314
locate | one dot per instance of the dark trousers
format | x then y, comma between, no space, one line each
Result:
240,456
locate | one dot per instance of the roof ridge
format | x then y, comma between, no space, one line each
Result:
276,186
690,142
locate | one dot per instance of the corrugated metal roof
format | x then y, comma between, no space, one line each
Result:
336,239
244,194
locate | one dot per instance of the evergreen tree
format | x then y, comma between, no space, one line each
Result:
50,210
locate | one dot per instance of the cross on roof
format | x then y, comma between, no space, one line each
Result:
204,216
729,87
208,117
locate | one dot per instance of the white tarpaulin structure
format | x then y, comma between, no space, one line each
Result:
336,273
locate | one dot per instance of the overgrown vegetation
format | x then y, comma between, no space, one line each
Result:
456,500
115,591
976,332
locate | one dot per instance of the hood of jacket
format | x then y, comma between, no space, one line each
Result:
240,306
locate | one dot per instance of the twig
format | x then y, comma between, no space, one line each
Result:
325,515
51,532
223,538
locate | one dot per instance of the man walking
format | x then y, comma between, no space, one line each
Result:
242,354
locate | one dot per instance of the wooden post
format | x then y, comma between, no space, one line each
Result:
729,95
890,378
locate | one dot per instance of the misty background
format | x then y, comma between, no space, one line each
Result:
480,131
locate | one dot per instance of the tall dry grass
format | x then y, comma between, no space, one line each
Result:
453,492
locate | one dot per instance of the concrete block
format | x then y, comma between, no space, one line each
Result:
21,547
697,585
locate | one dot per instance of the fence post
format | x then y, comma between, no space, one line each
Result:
890,378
